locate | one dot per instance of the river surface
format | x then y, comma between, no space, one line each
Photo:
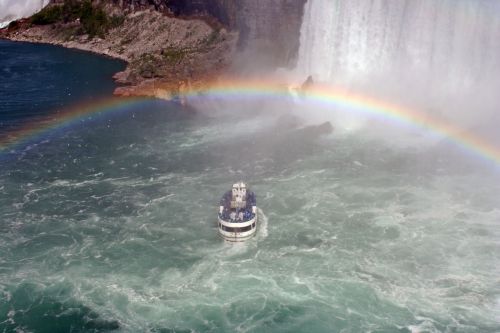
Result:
110,225
39,78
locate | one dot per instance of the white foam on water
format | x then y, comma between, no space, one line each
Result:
262,232
376,244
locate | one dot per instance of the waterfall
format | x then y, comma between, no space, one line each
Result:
456,42
11,10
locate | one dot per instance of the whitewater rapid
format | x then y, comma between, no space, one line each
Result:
112,225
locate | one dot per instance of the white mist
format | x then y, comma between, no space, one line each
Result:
440,57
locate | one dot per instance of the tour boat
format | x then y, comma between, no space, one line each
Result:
238,214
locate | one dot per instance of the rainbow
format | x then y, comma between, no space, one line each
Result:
33,131
244,89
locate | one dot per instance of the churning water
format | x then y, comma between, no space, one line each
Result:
112,226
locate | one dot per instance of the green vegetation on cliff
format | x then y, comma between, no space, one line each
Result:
93,19
48,15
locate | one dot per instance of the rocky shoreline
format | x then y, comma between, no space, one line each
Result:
164,54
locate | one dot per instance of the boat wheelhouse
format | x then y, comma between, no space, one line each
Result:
238,214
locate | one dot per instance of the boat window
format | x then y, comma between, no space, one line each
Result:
242,229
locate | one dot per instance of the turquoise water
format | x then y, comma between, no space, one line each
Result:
110,225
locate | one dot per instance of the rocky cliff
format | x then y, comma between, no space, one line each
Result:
273,26
270,26
170,44
162,52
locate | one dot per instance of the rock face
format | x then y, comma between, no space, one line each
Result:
162,51
170,44
272,27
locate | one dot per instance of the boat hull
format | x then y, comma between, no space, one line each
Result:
237,231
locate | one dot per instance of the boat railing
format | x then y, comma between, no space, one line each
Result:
247,216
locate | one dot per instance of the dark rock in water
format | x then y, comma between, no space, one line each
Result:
307,83
317,130
325,128
290,122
